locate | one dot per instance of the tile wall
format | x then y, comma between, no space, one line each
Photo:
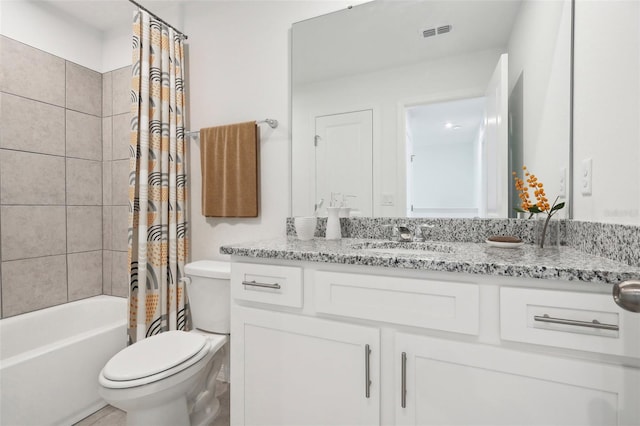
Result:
62,225
116,125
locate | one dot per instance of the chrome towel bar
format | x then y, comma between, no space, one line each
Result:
273,123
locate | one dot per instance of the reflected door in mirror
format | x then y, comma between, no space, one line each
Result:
344,152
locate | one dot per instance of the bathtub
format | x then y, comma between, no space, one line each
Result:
50,360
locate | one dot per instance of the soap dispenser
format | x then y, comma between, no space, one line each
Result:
333,220
345,210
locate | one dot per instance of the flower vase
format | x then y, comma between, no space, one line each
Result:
547,231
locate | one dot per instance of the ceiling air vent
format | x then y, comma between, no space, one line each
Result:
444,29
429,33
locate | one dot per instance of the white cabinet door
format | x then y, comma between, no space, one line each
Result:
295,370
456,383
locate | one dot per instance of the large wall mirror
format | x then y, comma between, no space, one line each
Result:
424,108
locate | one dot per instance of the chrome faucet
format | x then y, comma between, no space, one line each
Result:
403,233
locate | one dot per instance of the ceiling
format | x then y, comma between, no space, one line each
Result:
387,34
428,123
103,15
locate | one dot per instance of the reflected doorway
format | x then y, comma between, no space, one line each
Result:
457,154
444,165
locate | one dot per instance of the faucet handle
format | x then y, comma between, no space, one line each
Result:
404,234
425,230
388,231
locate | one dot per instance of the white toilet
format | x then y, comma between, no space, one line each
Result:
169,379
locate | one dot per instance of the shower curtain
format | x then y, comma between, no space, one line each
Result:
157,181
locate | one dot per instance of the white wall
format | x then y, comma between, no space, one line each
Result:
239,71
432,81
607,110
116,42
439,184
40,25
116,47
543,54
43,26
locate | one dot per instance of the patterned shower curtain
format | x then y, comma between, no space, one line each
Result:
157,181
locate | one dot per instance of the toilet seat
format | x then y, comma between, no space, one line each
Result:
154,359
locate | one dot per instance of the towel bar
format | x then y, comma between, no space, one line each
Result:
270,121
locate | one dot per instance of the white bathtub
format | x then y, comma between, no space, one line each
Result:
50,360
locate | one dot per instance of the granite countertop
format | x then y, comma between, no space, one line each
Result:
529,261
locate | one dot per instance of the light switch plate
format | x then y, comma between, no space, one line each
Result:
387,199
586,175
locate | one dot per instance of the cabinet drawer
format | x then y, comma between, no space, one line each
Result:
441,305
582,321
275,285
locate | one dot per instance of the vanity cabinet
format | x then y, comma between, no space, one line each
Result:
371,346
291,369
450,382
296,370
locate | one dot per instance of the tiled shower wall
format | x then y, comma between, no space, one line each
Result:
52,162
116,125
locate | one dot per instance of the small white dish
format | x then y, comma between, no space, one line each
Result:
502,244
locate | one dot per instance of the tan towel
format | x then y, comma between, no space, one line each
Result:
229,161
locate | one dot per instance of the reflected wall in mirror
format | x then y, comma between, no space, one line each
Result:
607,110
384,83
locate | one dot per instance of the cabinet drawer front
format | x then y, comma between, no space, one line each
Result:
582,321
440,305
275,285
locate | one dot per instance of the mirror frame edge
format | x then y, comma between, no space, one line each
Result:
571,100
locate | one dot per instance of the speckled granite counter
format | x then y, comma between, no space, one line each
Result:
528,261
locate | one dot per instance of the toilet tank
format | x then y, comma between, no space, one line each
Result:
208,295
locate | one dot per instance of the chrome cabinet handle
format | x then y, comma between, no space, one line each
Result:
265,285
589,324
403,386
627,295
367,376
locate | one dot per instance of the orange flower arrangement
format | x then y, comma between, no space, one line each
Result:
541,204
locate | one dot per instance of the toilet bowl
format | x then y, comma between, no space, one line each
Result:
170,378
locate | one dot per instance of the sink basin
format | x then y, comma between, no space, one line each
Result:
397,247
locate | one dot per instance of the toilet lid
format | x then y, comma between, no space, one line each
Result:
153,355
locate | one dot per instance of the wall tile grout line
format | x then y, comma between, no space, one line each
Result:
17,95
66,209
1,300
49,205
53,155
50,104
36,257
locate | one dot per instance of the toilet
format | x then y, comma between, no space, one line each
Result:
170,378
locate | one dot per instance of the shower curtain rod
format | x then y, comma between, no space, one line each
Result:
159,18
270,121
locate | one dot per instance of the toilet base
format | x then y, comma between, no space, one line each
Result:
207,416
173,413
